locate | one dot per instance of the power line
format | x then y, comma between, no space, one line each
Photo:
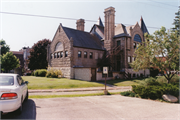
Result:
44,16
163,3
152,5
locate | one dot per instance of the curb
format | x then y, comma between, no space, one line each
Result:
78,89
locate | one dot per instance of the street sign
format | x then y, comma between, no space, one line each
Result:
105,70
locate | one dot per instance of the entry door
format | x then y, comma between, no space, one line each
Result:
93,72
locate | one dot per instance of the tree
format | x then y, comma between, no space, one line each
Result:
38,54
9,62
4,48
176,22
159,51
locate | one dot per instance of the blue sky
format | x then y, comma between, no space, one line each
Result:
19,30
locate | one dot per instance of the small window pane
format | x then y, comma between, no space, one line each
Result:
51,56
85,54
118,43
58,55
55,55
66,53
61,55
134,45
90,55
129,59
79,54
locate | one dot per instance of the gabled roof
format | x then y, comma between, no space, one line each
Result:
143,26
83,39
99,22
121,35
120,31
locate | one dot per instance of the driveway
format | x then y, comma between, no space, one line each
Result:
114,107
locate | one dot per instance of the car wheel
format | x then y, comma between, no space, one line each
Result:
19,110
27,95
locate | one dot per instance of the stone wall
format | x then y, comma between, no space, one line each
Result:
86,62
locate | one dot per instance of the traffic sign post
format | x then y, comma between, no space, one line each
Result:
105,71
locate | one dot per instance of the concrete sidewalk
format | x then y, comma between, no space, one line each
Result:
78,90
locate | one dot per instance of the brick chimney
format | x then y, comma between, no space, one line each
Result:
109,30
80,24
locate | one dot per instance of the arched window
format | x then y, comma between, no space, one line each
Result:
59,47
137,38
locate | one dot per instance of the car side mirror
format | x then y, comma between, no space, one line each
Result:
26,82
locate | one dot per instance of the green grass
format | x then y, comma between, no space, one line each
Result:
57,83
74,95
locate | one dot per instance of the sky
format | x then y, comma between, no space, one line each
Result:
19,29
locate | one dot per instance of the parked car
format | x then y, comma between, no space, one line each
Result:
13,92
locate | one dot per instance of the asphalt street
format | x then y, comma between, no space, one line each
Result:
107,107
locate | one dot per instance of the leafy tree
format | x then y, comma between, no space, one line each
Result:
9,62
38,54
159,51
176,22
4,48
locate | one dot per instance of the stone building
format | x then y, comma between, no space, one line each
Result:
75,52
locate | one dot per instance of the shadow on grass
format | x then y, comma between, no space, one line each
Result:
114,82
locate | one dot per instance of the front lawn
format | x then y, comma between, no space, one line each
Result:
57,83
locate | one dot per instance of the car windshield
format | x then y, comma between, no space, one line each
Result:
6,80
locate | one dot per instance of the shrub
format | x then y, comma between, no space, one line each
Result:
128,93
53,73
32,74
40,72
149,81
156,91
36,73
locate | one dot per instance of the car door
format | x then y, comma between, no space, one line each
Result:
23,86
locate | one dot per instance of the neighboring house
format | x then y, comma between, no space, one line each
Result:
19,55
75,52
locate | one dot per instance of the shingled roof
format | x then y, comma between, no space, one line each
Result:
83,39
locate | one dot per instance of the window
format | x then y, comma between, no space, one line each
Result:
51,55
20,80
55,55
137,38
85,54
132,59
79,54
118,43
59,46
90,55
58,54
61,54
66,53
129,59
134,44
6,80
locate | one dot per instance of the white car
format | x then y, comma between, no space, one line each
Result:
13,91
